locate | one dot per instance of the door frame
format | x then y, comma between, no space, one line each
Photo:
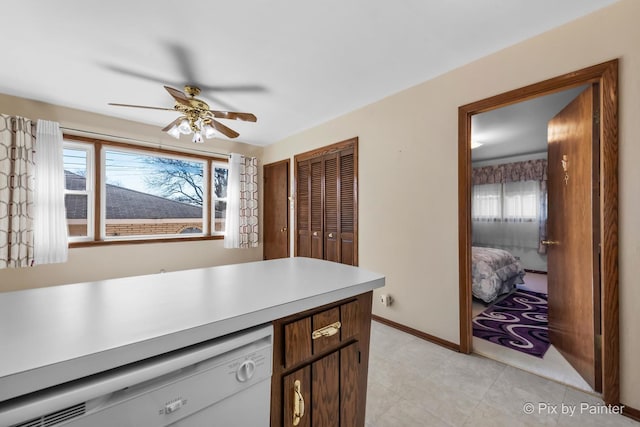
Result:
288,174
606,75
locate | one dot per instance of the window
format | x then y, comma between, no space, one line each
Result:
150,194
220,179
79,194
509,202
143,193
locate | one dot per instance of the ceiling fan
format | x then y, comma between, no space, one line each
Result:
196,116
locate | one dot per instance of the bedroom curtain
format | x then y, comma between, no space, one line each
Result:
16,191
242,203
50,217
506,175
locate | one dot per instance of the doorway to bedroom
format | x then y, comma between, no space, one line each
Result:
510,166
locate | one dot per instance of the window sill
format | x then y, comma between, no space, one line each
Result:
141,241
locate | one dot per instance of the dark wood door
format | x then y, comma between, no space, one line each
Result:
276,210
573,235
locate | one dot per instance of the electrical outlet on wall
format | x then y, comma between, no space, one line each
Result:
386,300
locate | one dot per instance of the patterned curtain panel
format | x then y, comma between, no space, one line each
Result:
16,191
530,170
249,203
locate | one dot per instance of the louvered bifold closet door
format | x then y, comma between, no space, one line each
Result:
327,203
331,208
347,207
317,218
303,208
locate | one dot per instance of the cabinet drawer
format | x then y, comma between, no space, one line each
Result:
320,332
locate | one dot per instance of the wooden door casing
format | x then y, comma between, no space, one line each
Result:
573,267
276,210
606,75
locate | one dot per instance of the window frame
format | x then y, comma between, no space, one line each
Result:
215,198
99,148
89,190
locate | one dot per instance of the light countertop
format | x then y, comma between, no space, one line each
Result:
52,335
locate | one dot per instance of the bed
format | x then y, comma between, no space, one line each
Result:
494,272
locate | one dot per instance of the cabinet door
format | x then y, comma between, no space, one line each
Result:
297,398
349,378
325,388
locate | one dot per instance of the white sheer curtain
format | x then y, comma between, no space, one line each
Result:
486,202
50,219
232,217
506,215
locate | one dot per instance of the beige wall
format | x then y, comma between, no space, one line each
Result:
408,172
102,262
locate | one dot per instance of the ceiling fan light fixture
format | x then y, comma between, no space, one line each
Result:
174,132
197,138
196,117
209,131
184,127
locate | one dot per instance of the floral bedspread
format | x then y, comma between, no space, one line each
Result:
494,272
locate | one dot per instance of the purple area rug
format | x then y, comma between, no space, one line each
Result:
519,322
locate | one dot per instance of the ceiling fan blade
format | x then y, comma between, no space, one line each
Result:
179,96
223,129
176,122
232,115
141,106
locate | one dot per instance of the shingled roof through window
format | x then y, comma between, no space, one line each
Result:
123,203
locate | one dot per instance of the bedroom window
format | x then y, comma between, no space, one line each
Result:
487,202
508,202
521,201
137,194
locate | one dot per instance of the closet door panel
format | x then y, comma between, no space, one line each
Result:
303,208
331,208
348,207
317,250
347,248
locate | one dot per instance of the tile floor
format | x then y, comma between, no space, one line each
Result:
415,383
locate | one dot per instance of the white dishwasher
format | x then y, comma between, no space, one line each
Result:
225,382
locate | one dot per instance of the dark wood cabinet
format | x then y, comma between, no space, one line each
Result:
320,365
326,203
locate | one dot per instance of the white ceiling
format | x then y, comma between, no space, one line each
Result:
293,63
519,128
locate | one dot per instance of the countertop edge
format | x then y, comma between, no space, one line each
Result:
25,382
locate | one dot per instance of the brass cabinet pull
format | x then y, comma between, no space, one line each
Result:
327,331
550,242
331,235
283,229
298,403
315,234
